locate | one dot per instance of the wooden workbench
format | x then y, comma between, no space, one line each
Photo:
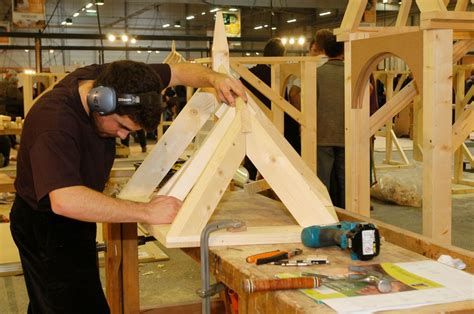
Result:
230,267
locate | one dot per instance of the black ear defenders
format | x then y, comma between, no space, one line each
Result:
105,100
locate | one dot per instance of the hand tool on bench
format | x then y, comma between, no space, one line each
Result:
272,256
362,239
255,285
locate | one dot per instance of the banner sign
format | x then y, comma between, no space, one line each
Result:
232,23
28,13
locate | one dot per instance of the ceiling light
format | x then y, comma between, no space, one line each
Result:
157,51
214,10
385,1
291,21
274,28
149,51
203,13
63,23
190,17
99,2
26,50
301,40
76,14
247,53
139,51
258,27
166,25
291,41
51,51
124,38
324,13
83,9
91,11
257,53
266,25
111,37
233,9
177,24
284,40
133,40
89,5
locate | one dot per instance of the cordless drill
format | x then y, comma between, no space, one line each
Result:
363,239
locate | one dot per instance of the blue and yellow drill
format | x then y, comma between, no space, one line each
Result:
363,239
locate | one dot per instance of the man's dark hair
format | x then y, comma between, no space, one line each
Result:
274,48
133,77
332,47
321,37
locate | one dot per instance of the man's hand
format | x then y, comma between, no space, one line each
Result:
162,209
228,89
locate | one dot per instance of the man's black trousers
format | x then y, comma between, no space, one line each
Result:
59,261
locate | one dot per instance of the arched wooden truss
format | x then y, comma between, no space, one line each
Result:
201,182
429,52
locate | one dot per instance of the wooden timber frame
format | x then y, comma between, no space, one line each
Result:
387,78
430,59
282,69
462,113
49,80
172,58
202,180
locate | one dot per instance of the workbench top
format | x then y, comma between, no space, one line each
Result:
230,267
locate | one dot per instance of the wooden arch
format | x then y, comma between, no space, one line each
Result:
368,53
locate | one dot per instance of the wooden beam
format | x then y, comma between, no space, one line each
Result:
277,111
461,48
454,20
462,128
293,157
220,47
168,149
392,107
403,13
271,60
257,186
437,154
250,235
130,281
431,5
187,176
309,114
300,194
461,5
112,234
357,135
208,190
267,91
352,17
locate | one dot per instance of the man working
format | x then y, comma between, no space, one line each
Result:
66,154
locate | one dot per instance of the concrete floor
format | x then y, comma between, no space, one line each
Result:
176,280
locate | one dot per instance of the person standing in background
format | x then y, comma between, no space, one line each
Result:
330,121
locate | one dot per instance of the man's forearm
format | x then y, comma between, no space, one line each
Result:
190,74
82,203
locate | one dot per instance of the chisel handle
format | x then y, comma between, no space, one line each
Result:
254,285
